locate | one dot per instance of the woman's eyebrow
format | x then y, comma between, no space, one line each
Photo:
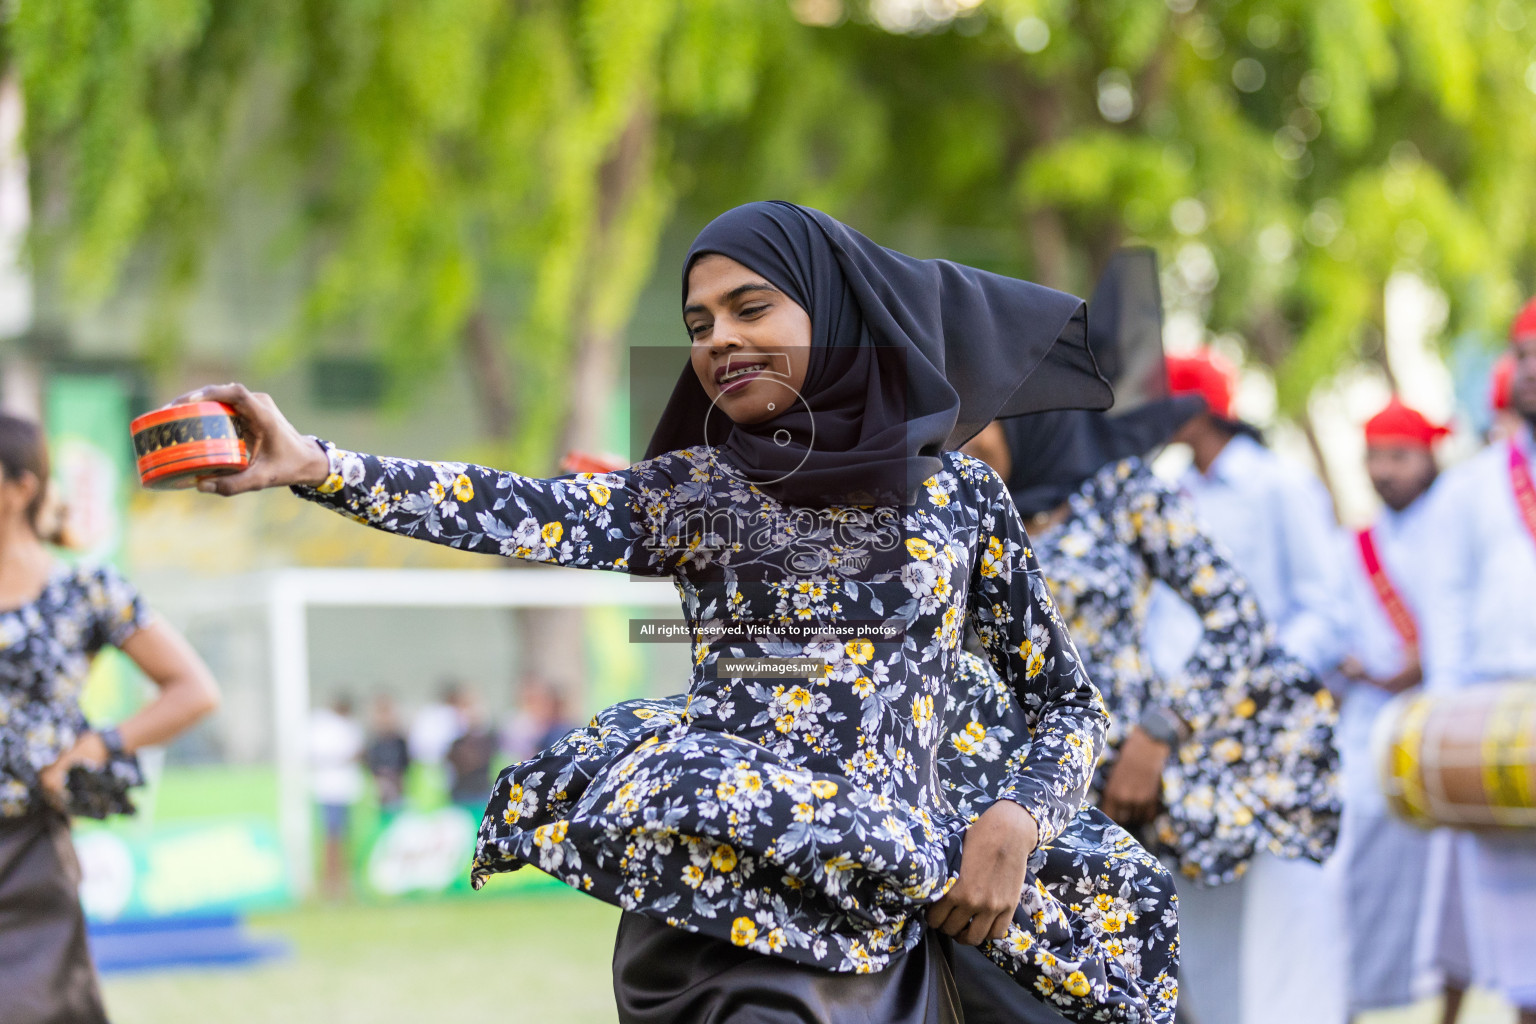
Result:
734,293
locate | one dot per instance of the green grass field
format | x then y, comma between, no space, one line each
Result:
539,957
536,959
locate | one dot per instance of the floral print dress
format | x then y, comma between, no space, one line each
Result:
807,818
46,647
1259,770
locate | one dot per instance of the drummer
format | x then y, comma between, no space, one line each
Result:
1383,860
1480,627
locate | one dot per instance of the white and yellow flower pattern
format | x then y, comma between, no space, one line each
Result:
46,648
798,818
1259,771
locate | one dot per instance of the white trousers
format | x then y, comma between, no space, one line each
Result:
1482,902
1268,949
1295,953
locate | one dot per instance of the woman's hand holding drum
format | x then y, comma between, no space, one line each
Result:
280,455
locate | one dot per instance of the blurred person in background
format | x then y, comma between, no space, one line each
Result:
541,718
1384,860
387,755
1506,422
1276,524
1479,628
435,726
336,780
54,618
1234,753
470,755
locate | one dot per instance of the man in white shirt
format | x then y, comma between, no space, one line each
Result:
1480,627
1269,947
336,779
436,726
1384,860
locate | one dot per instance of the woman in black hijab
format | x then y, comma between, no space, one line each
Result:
1232,755
782,847
906,358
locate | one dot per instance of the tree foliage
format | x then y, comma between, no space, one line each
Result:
451,173
494,177
1286,156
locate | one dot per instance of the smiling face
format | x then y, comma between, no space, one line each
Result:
751,343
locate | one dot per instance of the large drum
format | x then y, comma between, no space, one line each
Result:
1465,759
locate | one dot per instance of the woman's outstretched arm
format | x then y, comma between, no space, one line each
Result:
586,522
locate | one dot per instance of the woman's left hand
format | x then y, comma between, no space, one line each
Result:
1135,784
88,749
994,861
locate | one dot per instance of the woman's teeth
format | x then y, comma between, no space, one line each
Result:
743,371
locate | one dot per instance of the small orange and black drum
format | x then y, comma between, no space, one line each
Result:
1465,759
177,446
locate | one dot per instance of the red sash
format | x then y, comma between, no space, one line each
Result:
1520,480
1386,592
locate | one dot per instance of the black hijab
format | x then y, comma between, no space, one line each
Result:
909,358
1054,453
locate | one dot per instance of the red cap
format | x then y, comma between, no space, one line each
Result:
1525,324
1500,381
1205,374
587,462
1401,425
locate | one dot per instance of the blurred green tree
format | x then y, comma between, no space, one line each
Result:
494,178
1285,156
461,175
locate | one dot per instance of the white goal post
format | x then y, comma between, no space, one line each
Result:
285,597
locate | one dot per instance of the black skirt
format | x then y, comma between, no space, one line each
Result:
664,975
988,995
46,975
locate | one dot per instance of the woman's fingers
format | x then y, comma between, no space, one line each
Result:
939,913
53,781
970,918
952,915
957,923
245,481
977,931
255,408
51,778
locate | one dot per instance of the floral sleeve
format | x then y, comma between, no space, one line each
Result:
587,521
1028,644
117,610
1178,551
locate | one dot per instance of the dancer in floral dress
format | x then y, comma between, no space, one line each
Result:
1233,754
54,619
780,841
